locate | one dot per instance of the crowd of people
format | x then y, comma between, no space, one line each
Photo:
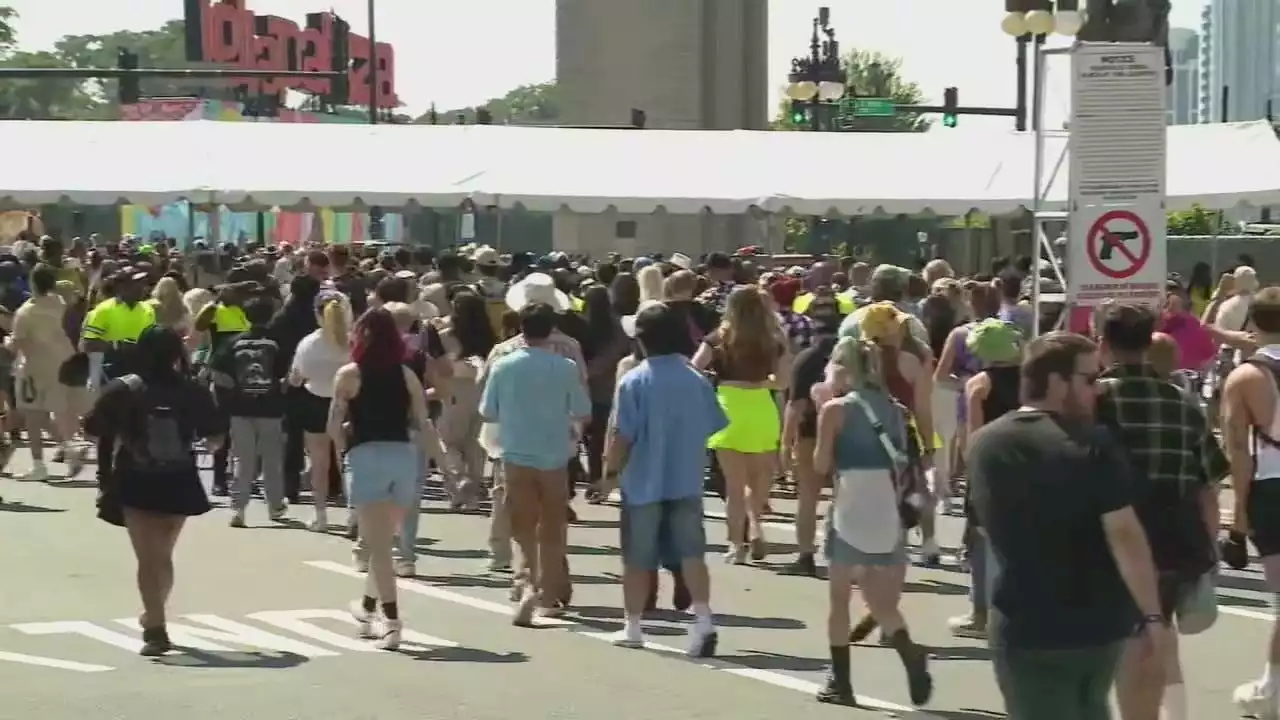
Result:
1081,448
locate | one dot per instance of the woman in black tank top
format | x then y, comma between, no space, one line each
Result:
377,402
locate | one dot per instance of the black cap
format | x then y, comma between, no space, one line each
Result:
719,261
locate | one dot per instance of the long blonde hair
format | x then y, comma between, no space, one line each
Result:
650,280
196,300
335,320
169,308
855,365
749,330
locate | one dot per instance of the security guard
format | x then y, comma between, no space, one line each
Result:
110,330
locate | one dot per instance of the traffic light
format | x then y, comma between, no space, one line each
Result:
130,87
483,116
950,104
799,114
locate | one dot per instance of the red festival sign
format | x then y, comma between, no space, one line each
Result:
226,32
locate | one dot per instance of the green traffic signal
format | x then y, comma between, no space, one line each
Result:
798,117
949,120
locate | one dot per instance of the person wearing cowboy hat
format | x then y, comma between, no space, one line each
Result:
533,289
487,262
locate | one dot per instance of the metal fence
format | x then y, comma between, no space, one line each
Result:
1222,253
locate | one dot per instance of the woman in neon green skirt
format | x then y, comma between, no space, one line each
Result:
746,353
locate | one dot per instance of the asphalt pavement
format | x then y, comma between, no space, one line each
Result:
261,613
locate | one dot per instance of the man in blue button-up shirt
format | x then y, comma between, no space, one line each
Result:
666,411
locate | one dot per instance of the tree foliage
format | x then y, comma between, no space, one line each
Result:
1196,221
537,104
871,74
7,35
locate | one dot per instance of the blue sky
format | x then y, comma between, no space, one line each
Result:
941,42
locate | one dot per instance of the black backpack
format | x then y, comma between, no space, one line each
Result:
156,441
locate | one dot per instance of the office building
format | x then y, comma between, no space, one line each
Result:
1183,103
689,65
1239,59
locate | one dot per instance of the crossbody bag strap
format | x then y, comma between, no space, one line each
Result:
896,456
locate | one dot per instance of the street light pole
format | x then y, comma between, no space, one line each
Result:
817,80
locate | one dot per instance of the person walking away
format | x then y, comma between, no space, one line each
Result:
862,439
989,394
746,353
605,345
223,321
153,485
170,310
295,320
1177,465
42,347
666,411
248,376
1055,495
110,330
467,338
378,406
315,366
538,400
800,427
534,288
1251,433
941,314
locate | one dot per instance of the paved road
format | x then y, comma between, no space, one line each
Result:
262,610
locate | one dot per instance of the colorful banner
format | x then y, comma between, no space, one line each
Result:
281,226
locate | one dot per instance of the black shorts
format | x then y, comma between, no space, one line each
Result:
1263,509
312,412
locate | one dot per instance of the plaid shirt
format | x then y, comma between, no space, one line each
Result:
716,297
800,329
557,342
1162,426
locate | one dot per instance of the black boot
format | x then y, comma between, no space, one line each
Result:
838,690
915,660
155,642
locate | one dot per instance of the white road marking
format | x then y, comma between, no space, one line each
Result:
766,676
55,663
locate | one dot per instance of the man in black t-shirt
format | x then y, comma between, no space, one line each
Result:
248,372
1071,561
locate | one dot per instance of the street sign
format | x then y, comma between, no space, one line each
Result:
1118,123
869,107
1117,248
1116,253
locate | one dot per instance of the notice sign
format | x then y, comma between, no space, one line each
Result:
1117,253
1117,141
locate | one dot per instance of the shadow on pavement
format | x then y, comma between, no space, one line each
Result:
1236,582
758,660
72,484
1242,602
190,658
466,655
722,620
934,587
592,550
603,524
464,554
959,652
17,507
966,714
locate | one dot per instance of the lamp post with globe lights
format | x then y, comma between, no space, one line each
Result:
817,82
1031,22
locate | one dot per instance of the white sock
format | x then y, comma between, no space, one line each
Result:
702,616
632,628
1174,705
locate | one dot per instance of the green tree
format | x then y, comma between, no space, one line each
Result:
870,74
537,104
7,34
1196,221
164,47
50,99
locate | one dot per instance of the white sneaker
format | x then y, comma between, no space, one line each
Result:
73,456
320,524
237,519
364,620
37,473
625,638
1256,699
406,569
279,512
391,630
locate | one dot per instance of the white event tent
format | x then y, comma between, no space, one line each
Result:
244,164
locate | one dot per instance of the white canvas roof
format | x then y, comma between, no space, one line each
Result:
340,165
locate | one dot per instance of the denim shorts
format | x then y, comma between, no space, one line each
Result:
383,472
666,532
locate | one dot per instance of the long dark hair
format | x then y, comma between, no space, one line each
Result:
624,291
160,355
1201,278
376,341
603,326
469,323
939,317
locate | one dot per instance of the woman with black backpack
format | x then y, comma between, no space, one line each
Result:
154,484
